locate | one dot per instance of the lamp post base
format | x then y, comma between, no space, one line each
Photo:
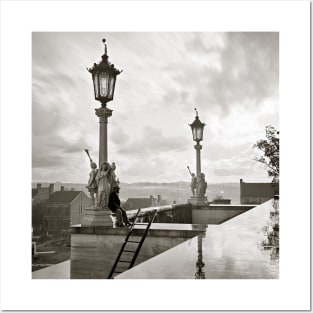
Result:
198,201
94,217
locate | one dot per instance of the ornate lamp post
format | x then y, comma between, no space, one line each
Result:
197,128
104,78
197,133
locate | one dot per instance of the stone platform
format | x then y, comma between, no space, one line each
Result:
94,249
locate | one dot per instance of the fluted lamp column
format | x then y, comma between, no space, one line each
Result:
103,114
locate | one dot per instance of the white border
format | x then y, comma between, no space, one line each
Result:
19,19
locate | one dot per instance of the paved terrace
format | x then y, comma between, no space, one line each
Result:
229,250
180,213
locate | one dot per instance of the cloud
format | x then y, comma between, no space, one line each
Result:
231,171
232,78
152,141
242,68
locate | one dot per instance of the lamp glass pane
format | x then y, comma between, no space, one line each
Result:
96,85
194,133
199,133
111,86
103,77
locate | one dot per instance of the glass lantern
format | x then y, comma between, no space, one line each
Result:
197,128
104,78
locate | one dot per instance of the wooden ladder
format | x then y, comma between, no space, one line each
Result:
134,251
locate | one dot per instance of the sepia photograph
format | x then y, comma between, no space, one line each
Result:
142,168
150,155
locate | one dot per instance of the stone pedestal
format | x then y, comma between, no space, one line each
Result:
94,217
199,201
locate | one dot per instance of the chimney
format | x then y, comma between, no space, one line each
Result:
151,200
62,188
241,180
51,189
159,200
38,186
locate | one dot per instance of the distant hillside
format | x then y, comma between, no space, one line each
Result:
176,191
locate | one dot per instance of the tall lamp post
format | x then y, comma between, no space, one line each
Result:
104,78
197,132
197,128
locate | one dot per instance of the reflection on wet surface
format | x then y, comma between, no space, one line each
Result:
245,247
200,274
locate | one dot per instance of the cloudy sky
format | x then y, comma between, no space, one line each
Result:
231,78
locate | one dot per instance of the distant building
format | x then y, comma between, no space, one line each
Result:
257,193
41,194
221,201
64,208
139,203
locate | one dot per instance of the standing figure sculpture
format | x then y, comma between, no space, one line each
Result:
193,184
201,185
103,185
113,180
92,184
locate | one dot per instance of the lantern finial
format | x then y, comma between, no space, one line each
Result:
105,47
196,112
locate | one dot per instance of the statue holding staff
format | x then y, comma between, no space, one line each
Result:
92,183
193,184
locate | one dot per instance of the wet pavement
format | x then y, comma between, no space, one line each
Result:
236,249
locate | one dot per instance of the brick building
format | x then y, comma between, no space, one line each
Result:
139,203
257,193
64,208
39,195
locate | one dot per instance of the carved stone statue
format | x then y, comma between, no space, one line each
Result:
113,180
103,182
193,183
92,184
201,185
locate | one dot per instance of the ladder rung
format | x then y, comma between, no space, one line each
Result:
126,241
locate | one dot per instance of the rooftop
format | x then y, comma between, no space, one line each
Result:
63,197
137,203
258,189
34,192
